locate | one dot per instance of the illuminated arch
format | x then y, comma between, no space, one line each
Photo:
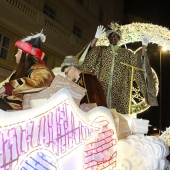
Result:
135,31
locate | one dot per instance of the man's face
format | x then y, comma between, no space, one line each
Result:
69,73
114,38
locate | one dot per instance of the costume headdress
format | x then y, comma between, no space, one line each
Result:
114,27
69,61
31,45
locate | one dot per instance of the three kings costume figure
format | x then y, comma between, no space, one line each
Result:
107,62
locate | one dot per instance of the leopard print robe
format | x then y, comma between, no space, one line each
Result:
105,62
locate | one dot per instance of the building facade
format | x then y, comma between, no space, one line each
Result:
68,24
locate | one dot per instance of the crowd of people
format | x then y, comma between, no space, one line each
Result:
98,69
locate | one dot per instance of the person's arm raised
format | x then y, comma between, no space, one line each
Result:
99,33
145,41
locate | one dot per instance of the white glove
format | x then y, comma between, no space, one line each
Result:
100,31
145,40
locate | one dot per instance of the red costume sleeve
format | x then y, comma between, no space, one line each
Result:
9,88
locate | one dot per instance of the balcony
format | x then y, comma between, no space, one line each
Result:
24,19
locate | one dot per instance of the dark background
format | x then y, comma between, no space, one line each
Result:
156,12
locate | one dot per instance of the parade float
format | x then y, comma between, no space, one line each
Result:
53,133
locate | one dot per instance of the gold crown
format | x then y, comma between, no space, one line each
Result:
114,27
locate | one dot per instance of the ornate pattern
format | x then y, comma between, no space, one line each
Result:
139,104
121,76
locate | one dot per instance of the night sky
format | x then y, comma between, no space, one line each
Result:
156,12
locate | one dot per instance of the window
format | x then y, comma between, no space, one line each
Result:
49,12
4,46
77,30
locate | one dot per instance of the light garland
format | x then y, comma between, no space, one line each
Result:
135,31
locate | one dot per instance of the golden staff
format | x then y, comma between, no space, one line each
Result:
131,83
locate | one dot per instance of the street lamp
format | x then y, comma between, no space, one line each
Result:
163,49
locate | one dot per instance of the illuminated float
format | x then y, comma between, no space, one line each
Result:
57,135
